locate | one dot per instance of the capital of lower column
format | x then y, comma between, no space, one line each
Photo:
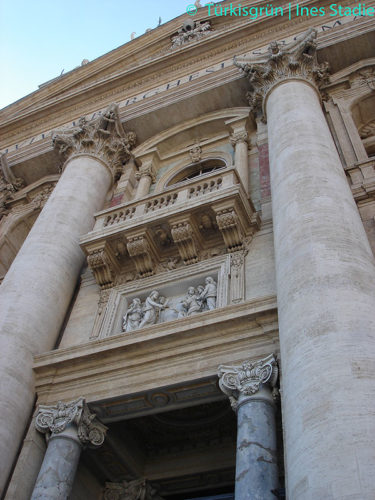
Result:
58,420
103,138
247,380
294,61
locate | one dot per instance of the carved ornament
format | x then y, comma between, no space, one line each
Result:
103,264
247,379
103,138
238,138
229,225
183,235
9,184
140,251
191,32
296,60
139,489
53,420
146,171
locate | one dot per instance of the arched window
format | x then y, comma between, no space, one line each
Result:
197,170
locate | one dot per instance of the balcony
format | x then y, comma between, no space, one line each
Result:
182,225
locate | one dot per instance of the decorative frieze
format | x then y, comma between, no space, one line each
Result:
297,60
103,138
54,420
246,379
139,489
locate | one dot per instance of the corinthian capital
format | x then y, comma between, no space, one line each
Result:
297,60
103,138
247,379
53,420
239,137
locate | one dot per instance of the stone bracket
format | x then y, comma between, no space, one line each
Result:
141,249
230,224
103,264
185,235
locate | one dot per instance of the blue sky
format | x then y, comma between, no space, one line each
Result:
40,38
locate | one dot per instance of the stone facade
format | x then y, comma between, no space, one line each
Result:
187,265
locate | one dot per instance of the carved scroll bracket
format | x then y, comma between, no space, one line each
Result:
142,250
186,236
103,263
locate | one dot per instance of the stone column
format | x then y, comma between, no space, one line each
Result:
38,287
146,174
69,426
325,277
249,389
240,141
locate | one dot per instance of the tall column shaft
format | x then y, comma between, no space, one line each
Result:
325,289
37,289
256,458
56,476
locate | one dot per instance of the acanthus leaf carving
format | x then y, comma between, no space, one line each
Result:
229,224
247,379
297,59
53,420
140,251
102,261
103,138
183,235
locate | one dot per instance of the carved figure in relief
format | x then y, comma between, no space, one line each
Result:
192,304
209,293
151,309
133,316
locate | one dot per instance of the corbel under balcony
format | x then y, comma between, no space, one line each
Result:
362,179
184,224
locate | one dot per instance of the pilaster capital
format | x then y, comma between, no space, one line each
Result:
297,60
54,420
103,138
248,378
239,137
146,171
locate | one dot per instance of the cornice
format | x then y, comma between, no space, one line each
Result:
228,40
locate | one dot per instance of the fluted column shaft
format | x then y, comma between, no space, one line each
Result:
325,290
38,287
